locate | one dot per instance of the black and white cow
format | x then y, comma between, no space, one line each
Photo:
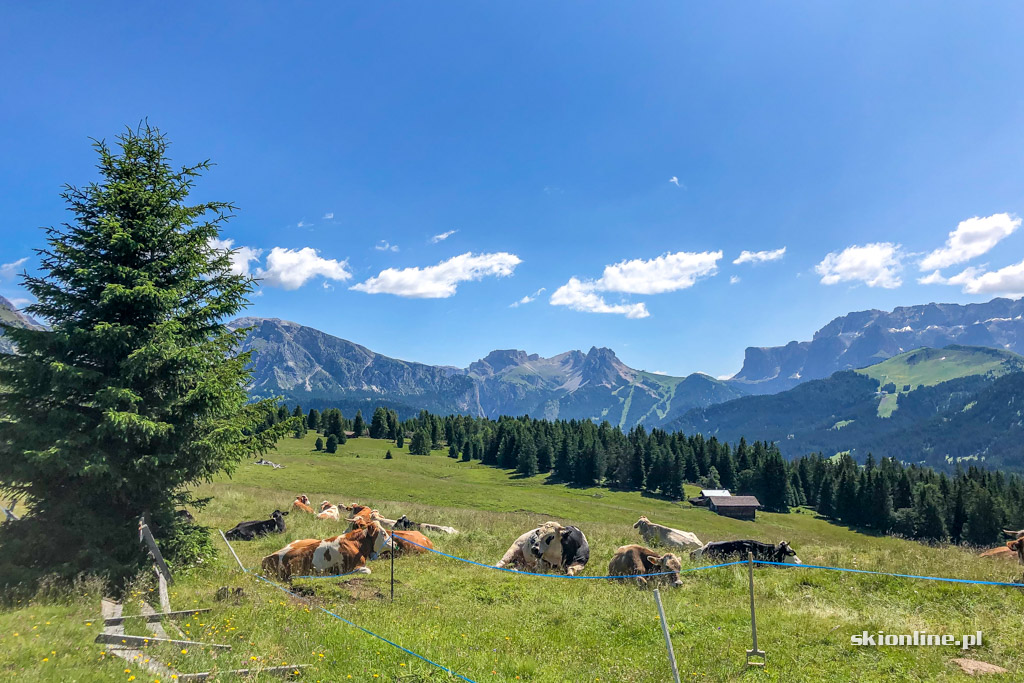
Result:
767,552
564,548
247,531
404,522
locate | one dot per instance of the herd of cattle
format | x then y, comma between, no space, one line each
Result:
549,547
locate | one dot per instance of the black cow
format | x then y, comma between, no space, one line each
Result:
247,531
762,551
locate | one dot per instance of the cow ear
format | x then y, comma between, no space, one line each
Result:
654,559
285,513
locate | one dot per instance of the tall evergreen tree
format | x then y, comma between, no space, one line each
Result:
358,425
379,423
984,521
526,460
774,483
137,393
930,523
313,419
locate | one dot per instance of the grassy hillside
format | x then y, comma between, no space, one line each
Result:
491,626
927,367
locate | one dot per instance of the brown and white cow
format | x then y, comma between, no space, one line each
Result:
666,536
302,503
338,554
634,560
565,548
359,515
521,553
328,511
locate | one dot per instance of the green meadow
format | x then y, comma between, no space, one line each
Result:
492,626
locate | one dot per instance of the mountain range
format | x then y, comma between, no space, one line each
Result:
864,338
933,406
937,383
306,365
10,315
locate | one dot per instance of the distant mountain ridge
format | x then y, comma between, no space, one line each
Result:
305,364
860,339
10,315
935,406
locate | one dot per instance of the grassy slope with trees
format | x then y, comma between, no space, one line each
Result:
491,626
960,408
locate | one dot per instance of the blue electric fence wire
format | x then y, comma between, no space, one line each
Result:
902,576
354,625
562,576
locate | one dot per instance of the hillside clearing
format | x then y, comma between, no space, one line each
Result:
491,626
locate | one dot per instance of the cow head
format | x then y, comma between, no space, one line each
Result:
278,517
667,563
548,536
303,499
324,505
786,554
402,523
642,523
1017,547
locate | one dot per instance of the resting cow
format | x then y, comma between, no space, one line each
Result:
521,553
302,503
634,560
343,554
564,548
766,552
359,515
666,536
404,522
419,542
247,531
328,511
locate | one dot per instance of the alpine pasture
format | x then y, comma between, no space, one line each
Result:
493,626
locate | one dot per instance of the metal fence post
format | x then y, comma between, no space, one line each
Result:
664,630
753,618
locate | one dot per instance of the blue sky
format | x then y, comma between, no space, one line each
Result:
542,139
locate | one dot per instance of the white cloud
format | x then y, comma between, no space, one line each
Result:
658,372
972,238
291,268
759,256
303,224
9,270
675,181
527,299
242,257
876,265
580,296
666,273
442,237
386,246
20,302
328,216
1008,281
440,281
734,279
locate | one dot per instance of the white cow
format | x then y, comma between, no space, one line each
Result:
666,536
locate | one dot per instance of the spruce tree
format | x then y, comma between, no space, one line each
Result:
984,521
319,445
137,392
526,460
358,425
332,443
929,521
400,438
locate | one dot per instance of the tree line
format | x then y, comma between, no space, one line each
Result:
887,496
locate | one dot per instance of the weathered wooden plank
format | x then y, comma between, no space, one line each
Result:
154,626
112,611
124,639
146,536
165,599
155,616
277,670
